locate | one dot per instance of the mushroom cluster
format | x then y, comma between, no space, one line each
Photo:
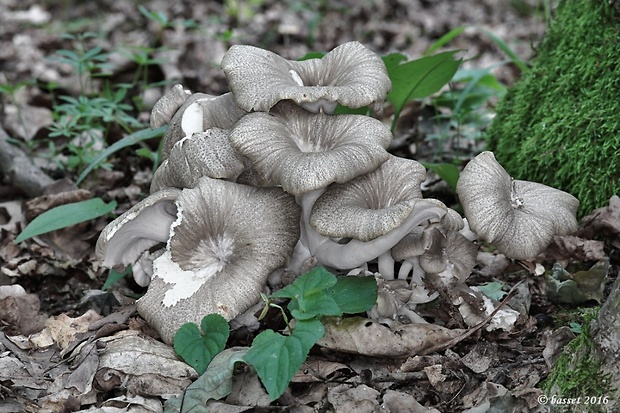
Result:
267,178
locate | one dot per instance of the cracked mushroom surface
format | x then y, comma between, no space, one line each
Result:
350,74
225,242
303,151
519,218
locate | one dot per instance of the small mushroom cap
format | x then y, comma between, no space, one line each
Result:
371,205
226,241
413,244
434,259
217,112
203,154
165,108
147,224
303,151
450,255
350,74
519,217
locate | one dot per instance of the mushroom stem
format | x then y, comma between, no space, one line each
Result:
386,265
356,253
412,265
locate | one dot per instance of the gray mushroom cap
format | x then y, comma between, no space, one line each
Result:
165,108
203,154
370,205
451,255
519,218
303,151
226,241
413,244
123,241
197,114
350,74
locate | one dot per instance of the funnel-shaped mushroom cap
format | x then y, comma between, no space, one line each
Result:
199,113
519,217
203,154
225,242
303,151
350,74
147,224
371,205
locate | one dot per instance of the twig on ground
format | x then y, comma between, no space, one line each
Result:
471,331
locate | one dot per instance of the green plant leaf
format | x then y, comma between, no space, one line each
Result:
446,171
215,383
65,215
493,290
419,78
277,358
445,39
115,276
128,140
198,348
520,63
308,293
354,294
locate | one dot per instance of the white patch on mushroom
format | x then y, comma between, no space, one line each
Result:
191,122
515,201
296,77
184,284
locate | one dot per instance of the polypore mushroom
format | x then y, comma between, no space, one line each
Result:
350,74
519,218
225,242
375,211
199,113
203,154
303,151
124,241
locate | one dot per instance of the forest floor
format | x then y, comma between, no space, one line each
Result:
69,344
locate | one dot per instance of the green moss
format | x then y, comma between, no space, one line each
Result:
577,372
560,124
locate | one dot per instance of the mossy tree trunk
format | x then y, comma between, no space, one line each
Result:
605,332
560,123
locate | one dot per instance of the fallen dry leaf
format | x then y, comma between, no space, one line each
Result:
19,311
603,221
362,336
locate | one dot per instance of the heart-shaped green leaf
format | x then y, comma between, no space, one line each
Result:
354,294
277,358
198,348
